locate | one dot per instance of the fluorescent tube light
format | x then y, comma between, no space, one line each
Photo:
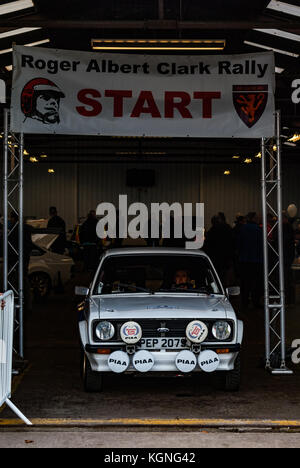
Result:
44,41
278,51
16,32
15,6
279,33
283,7
5,51
158,44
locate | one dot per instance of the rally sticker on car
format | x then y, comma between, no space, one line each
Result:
196,331
186,361
131,332
143,361
208,361
118,362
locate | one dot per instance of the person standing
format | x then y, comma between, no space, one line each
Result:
219,246
89,240
250,250
57,222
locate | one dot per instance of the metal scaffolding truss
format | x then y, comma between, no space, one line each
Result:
273,254
13,236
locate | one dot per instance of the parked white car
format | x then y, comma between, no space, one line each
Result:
152,310
47,270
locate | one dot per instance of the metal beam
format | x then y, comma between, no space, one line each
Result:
271,184
13,149
160,24
161,9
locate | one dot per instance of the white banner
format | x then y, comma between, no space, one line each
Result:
83,93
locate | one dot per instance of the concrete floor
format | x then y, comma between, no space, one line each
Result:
151,440
51,385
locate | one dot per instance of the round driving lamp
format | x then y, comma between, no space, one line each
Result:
105,331
221,330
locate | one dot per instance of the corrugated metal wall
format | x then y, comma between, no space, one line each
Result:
74,190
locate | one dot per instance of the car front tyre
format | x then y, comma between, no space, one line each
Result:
92,381
230,381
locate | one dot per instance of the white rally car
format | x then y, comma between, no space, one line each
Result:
151,310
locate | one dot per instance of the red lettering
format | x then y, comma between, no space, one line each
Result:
118,97
150,108
96,107
207,98
181,106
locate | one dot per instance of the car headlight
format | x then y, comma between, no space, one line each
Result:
221,330
105,331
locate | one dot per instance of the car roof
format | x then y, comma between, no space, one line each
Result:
154,251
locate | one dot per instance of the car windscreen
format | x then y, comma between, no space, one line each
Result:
156,273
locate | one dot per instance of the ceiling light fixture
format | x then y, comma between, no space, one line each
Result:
248,161
294,138
278,51
16,32
279,33
158,44
283,7
31,44
43,41
15,6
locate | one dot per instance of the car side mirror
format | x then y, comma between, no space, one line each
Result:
233,291
81,291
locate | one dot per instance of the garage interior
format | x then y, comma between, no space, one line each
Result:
76,173
208,169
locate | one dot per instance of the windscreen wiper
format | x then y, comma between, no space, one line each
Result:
191,290
132,286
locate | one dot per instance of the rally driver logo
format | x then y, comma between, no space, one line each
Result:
40,100
131,332
250,102
196,331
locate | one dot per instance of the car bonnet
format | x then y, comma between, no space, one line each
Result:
160,306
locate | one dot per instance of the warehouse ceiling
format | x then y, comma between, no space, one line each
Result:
247,27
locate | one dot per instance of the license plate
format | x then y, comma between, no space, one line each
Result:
162,343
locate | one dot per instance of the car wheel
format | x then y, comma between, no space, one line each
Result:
230,381
92,381
40,284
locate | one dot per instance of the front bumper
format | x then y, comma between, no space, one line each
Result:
164,360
